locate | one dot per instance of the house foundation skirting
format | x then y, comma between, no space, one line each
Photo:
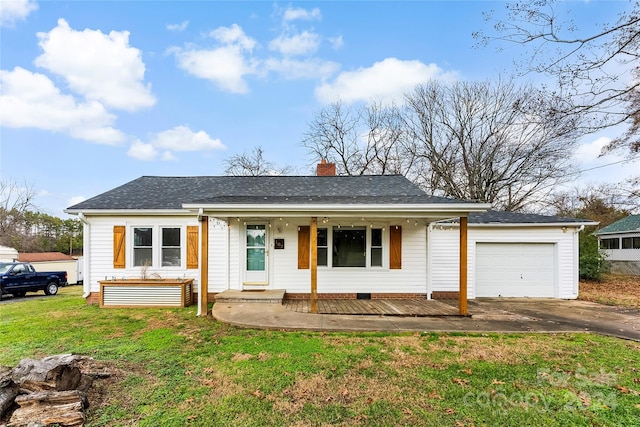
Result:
305,296
445,295
93,298
625,267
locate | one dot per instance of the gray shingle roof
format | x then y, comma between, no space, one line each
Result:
628,224
503,217
154,192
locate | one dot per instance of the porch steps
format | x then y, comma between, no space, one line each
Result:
273,296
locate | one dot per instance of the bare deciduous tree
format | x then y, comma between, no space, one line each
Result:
605,203
15,201
597,69
253,164
496,143
492,142
360,140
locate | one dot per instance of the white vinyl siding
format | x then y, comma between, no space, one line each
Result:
218,255
100,249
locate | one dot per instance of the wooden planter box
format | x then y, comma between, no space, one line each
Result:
146,293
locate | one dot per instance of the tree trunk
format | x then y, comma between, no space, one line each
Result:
64,408
8,391
58,372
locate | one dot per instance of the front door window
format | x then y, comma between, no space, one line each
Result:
256,237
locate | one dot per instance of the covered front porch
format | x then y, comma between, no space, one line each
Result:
401,307
301,255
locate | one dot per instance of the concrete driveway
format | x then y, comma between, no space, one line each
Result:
580,315
488,315
6,299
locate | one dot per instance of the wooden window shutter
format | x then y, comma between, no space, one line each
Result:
304,247
192,246
395,247
118,246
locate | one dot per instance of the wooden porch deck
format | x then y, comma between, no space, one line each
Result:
379,307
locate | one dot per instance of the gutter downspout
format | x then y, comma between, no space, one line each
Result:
86,256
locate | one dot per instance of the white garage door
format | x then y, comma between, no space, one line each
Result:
515,270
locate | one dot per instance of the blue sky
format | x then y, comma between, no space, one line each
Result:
95,94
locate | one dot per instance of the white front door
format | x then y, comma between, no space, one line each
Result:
256,255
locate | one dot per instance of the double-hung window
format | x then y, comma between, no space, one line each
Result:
171,247
323,247
157,246
142,246
376,247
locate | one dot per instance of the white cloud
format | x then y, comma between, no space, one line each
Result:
298,13
31,100
233,35
168,156
313,68
141,151
304,43
12,11
386,80
181,138
336,42
226,65
590,152
99,66
178,27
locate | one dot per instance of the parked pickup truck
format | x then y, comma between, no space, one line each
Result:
18,278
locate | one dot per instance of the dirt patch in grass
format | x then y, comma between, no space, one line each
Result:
109,393
352,389
614,289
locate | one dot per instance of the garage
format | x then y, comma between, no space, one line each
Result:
516,270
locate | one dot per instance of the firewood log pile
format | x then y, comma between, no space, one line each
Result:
46,392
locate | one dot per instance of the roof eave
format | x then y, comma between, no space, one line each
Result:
292,210
128,212
608,233
533,224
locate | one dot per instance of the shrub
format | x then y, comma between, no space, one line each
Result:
592,261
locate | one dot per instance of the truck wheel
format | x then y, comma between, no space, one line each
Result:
51,289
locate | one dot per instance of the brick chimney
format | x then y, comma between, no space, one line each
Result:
326,169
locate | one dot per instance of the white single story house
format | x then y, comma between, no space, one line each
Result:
620,242
322,236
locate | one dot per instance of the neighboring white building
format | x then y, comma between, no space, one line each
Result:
52,261
375,236
8,254
620,242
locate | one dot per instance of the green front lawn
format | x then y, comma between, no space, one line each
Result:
172,368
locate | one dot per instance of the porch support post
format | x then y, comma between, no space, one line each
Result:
204,268
462,302
314,265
